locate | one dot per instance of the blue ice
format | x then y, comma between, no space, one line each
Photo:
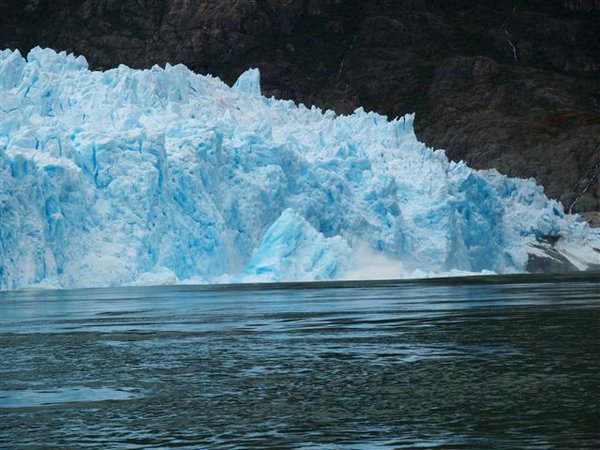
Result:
163,175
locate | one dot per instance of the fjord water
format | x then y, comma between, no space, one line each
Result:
484,362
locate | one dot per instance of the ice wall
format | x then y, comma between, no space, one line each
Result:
109,178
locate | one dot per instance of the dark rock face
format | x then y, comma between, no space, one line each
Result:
513,85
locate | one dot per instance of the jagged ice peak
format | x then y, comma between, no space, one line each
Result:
163,176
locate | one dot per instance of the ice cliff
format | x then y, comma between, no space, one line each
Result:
142,176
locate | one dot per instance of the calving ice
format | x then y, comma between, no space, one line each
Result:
162,175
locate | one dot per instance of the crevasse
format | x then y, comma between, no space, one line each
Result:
162,175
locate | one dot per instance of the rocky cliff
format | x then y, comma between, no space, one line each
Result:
513,85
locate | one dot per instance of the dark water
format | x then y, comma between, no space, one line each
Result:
495,362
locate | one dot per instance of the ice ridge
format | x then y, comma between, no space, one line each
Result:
162,175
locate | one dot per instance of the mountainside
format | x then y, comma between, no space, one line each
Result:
507,84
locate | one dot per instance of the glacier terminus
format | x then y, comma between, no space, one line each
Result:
127,177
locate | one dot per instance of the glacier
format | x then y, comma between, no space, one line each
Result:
127,177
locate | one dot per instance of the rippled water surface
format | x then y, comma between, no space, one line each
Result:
490,362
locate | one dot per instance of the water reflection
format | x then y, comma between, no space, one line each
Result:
23,398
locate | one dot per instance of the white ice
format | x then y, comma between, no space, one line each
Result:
159,176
